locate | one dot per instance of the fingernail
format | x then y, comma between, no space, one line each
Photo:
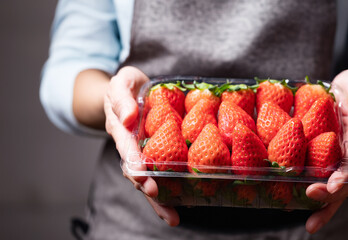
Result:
333,187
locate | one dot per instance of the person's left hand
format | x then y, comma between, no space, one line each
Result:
335,191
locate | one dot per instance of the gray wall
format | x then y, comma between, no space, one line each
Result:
44,173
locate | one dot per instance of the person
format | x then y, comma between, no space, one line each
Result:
102,52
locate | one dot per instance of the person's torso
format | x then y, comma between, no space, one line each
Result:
234,38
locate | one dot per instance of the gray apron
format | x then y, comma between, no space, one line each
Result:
236,38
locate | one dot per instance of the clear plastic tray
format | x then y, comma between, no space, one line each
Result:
224,189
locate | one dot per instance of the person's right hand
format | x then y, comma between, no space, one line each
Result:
121,111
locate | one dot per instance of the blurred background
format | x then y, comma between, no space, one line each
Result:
44,173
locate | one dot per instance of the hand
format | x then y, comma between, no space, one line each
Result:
121,110
335,191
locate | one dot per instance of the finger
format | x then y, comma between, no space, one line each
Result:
168,214
124,88
126,144
337,180
319,192
318,219
147,186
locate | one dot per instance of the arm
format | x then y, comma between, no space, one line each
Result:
77,90
335,192
88,102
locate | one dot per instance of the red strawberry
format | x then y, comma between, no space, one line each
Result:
167,146
278,194
206,188
208,151
288,147
247,151
307,95
275,91
170,91
200,91
323,151
199,116
169,187
241,95
269,120
229,115
245,194
158,115
320,118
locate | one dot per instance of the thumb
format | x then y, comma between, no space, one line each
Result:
124,87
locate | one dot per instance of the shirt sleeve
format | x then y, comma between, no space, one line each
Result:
84,36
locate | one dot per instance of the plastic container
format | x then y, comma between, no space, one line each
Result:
225,189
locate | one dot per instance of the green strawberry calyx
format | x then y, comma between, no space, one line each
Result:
188,143
143,142
169,86
196,170
246,182
283,82
201,86
234,88
283,171
327,89
268,198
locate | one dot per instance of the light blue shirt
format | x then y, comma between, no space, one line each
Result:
86,34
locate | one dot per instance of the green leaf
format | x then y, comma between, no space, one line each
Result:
169,86
275,165
196,170
274,81
246,182
144,142
155,168
307,80
169,170
203,86
188,86
188,143
269,162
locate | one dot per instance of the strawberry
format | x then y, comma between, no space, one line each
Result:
199,116
241,95
208,151
169,187
229,115
206,187
275,91
269,120
277,194
158,115
170,91
323,152
307,95
320,118
167,146
247,151
244,194
200,91
288,147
